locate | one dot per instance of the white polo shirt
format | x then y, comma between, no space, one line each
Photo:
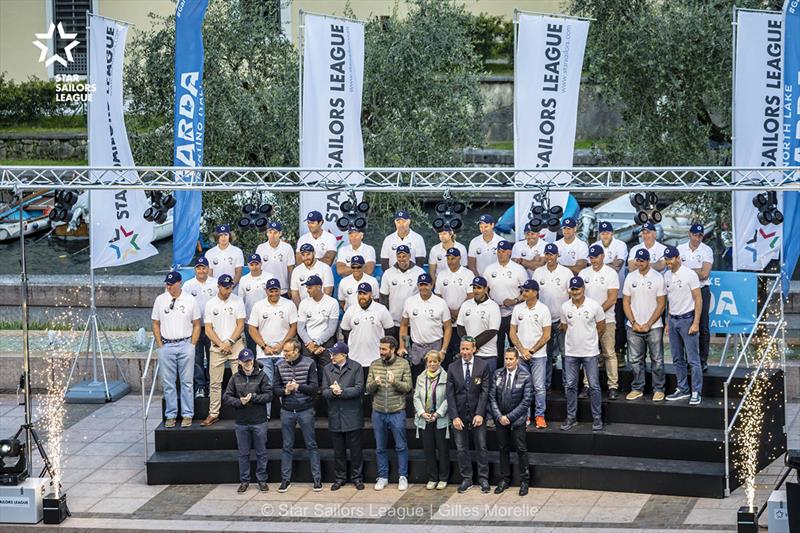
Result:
426,318
272,321
477,318
223,315
366,328
484,253
224,261
454,286
553,288
569,254
253,289
346,253
399,286
656,251
504,283
175,323
322,245
598,283
643,291
616,250
678,286
530,323
202,292
301,273
694,259
316,314
413,240
348,288
277,261
438,256
581,337
522,250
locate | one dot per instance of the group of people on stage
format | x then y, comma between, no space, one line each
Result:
473,340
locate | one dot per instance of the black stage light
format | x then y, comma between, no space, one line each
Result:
541,216
767,205
353,213
13,469
646,205
62,210
256,217
449,211
160,204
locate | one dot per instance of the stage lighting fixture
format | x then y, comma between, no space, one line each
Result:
353,213
160,204
646,205
64,202
541,216
255,216
13,470
449,210
767,205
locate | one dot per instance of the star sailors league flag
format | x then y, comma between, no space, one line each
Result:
333,79
547,79
757,129
119,234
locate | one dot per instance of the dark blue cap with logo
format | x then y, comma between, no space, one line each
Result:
306,247
314,216
225,280
642,255
201,261
697,228
277,226
648,226
424,279
173,277
339,347
479,281
357,260
365,287
403,249
551,248
576,282
486,219
253,258
246,355
453,252
530,285
505,245
353,229
605,226
671,252
569,222
530,229
313,280
596,250
273,283
445,227
223,228
405,215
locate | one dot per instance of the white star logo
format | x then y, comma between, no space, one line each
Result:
45,48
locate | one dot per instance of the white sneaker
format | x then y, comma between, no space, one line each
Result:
431,485
402,483
441,485
381,483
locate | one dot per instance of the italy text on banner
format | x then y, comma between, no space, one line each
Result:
119,234
757,126
734,302
333,78
190,112
547,79
791,141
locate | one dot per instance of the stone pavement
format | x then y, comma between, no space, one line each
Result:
104,478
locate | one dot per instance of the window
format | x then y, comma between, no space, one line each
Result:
72,15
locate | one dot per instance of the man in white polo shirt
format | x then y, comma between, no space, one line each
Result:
348,287
317,319
644,301
322,240
698,256
483,248
615,253
437,260
225,258
398,284
277,255
653,247
529,252
364,325
479,318
426,321
252,289
271,323
203,288
454,284
583,322
602,286
685,304
505,278
310,266
553,280
403,235
573,253
356,246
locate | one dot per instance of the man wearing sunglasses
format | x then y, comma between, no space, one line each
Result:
348,286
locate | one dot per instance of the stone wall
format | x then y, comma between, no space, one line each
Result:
55,146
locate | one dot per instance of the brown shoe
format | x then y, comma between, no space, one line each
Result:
209,420
170,423
186,422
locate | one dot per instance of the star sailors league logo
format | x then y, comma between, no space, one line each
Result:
762,244
50,47
124,243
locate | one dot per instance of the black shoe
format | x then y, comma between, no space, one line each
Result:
284,485
613,394
523,488
568,424
583,394
317,485
503,485
485,487
242,488
359,484
263,487
337,485
465,486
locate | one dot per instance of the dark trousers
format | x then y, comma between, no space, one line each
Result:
289,421
248,340
503,334
620,333
465,457
395,332
252,437
705,333
343,441
202,355
453,349
506,437
437,452
322,359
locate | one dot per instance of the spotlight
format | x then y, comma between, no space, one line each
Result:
160,204
12,462
646,205
767,205
255,216
62,210
541,216
449,210
353,213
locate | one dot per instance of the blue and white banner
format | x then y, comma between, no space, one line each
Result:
791,135
189,125
118,233
734,302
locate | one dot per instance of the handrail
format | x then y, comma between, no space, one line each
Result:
146,404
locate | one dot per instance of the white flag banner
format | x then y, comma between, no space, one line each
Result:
119,234
758,129
333,79
547,80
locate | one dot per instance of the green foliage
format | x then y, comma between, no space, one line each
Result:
29,101
493,38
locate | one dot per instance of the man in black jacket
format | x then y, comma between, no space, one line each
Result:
467,395
343,388
248,391
510,398
296,384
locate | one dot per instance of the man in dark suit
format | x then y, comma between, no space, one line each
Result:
510,400
467,396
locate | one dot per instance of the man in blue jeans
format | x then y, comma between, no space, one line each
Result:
389,382
296,384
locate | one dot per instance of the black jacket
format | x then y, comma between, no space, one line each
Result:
345,412
514,403
302,370
464,401
241,385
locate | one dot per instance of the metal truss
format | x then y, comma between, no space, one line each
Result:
413,180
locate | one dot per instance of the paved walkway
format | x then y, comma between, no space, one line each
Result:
105,481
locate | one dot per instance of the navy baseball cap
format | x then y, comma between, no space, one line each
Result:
530,229
405,215
551,248
505,245
697,228
596,250
253,258
642,255
173,277
277,226
314,216
424,279
403,249
486,219
313,280
225,280
353,229
671,252
530,285
454,252
201,261
274,283
357,260
306,247
569,222
479,281
246,355
605,226
648,226
445,227
223,228
339,347
365,287
576,282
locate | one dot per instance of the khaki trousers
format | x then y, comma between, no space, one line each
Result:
609,354
216,369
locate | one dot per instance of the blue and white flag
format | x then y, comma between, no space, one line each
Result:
791,135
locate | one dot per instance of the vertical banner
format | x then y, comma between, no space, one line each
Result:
118,234
734,302
757,126
333,78
791,135
547,80
189,122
